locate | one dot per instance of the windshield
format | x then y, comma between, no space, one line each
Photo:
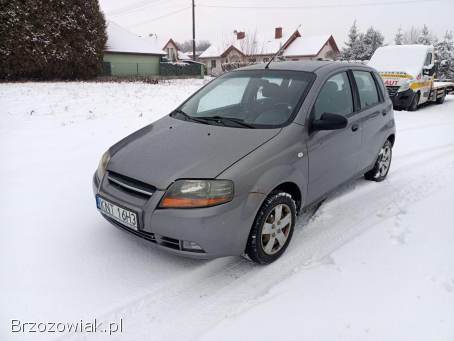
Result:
248,99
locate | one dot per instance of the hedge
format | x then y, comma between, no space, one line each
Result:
51,39
180,69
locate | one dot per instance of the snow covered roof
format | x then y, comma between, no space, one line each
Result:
183,56
400,58
306,45
121,40
260,46
215,50
300,46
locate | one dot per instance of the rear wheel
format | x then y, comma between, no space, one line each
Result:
272,229
382,165
414,103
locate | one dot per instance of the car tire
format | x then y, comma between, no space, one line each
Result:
270,234
414,103
382,164
441,99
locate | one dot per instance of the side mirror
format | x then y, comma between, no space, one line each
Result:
329,122
428,70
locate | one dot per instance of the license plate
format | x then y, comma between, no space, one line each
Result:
126,217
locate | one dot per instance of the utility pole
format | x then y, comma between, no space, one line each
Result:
193,30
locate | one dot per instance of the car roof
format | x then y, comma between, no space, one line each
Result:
307,66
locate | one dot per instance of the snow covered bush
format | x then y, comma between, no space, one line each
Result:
51,39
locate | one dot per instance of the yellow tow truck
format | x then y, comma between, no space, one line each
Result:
408,72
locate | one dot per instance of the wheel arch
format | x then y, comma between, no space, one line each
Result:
391,138
292,189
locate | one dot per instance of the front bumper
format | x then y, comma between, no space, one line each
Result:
219,230
402,100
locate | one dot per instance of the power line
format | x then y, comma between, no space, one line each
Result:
130,7
134,8
160,17
383,3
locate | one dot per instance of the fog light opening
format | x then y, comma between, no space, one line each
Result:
191,246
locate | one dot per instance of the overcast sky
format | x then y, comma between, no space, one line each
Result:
172,18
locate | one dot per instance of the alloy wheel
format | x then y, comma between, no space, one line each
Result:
276,229
384,160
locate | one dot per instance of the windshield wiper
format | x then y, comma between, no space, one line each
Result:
223,120
187,117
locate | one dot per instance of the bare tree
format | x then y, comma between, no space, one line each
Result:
186,46
411,35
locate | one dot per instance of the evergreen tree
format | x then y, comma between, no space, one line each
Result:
361,46
425,37
46,39
372,40
399,37
445,52
353,36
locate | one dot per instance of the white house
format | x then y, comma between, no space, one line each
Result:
127,54
251,49
174,54
312,48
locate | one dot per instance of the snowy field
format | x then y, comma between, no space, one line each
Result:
376,262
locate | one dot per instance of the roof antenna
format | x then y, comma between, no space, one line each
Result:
267,66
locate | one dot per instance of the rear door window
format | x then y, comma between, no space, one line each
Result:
335,97
368,92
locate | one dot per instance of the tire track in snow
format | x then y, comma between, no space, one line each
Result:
189,305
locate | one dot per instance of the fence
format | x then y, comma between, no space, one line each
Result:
130,69
152,69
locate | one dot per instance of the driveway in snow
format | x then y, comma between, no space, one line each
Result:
376,262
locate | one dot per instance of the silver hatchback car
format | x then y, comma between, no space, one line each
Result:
228,171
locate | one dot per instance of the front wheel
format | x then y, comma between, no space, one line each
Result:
441,99
272,229
382,165
414,103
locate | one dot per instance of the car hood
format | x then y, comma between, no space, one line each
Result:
171,149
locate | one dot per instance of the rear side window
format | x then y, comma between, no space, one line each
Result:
335,97
368,94
382,87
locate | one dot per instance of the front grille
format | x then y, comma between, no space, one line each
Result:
130,185
392,90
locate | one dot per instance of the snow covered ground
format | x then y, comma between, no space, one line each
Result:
376,262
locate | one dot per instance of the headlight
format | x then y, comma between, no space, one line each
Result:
103,165
197,193
404,87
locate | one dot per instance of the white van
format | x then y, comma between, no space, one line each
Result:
408,72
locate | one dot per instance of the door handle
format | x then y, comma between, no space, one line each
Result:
355,127
375,114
